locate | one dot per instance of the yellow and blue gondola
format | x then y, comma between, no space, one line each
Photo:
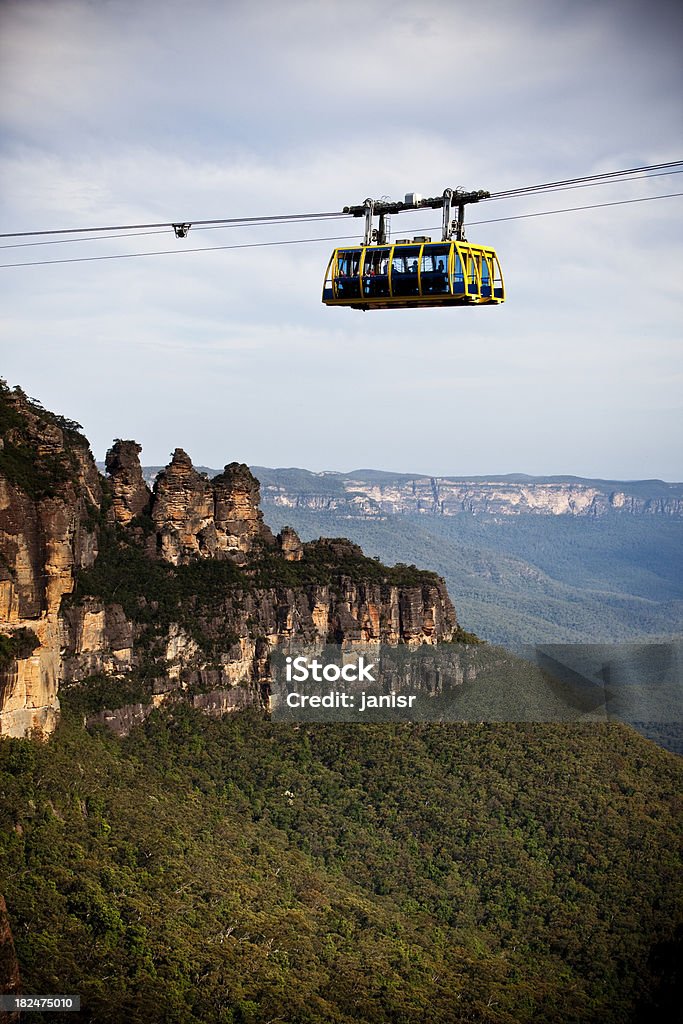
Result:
413,274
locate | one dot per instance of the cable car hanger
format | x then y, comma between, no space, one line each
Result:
414,201
414,273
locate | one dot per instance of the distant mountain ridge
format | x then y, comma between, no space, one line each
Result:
370,494
375,494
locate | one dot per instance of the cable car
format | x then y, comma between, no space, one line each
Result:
414,273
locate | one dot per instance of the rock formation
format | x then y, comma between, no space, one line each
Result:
290,544
130,494
238,518
151,632
182,511
217,518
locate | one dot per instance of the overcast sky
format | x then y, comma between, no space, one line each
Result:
137,111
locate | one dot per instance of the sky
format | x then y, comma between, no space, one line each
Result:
118,112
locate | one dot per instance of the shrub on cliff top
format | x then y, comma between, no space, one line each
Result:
21,421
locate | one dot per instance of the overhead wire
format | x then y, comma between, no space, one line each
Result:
174,252
572,209
269,219
586,184
342,216
603,178
95,238
331,238
145,234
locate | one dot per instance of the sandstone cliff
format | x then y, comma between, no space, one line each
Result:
374,495
129,595
49,493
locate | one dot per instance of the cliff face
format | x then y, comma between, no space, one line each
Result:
219,638
376,495
183,588
49,494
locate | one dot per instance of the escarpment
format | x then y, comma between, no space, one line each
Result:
124,596
368,494
50,497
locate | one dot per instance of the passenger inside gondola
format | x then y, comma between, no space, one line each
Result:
375,273
404,281
434,262
347,283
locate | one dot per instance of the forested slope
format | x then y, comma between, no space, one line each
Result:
238,871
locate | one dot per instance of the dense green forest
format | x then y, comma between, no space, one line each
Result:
531,578
235,871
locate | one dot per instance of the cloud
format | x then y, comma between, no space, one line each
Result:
120,112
